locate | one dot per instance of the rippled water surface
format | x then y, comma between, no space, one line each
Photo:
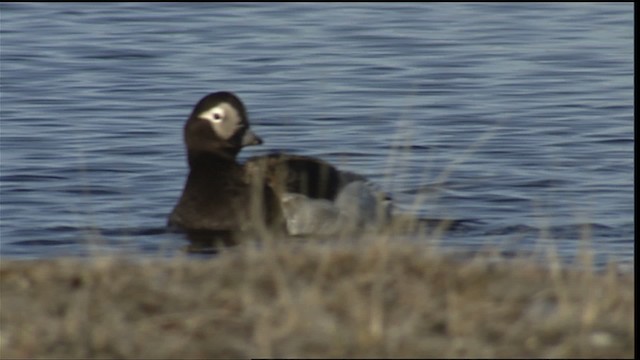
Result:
516,118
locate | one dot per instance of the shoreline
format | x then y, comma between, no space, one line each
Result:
379,300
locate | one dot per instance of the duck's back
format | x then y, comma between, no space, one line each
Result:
299,174
317,198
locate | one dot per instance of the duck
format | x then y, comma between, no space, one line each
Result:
281,193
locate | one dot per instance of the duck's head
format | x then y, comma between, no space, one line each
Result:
219,125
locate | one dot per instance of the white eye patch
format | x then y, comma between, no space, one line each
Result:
215,115
224,119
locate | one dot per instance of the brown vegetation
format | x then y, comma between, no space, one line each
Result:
376,299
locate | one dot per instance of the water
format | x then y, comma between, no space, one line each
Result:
516,118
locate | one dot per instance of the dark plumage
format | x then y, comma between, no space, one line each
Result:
223,198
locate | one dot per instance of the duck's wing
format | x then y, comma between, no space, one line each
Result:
316,197
297,174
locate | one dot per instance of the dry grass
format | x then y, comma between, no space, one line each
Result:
352,300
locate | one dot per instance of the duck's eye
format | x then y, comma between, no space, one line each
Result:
217,116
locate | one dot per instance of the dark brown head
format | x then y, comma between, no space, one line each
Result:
219,125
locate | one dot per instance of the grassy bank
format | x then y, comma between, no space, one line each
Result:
378,300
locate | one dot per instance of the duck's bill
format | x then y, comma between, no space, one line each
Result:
249,138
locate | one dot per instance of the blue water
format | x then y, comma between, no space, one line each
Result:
516,118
